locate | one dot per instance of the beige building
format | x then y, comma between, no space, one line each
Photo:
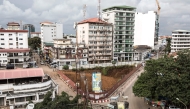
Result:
98,37
64,51
13,26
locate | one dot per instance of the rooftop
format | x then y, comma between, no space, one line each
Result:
61,39
121,7
16,31
93,20
35,32
21,73
46,22
15,50
13,24
181,31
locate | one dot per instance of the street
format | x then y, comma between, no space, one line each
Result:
53,74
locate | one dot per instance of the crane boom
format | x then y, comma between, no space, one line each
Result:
158,11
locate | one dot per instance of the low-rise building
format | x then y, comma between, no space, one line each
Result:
19,86
13,46
65,52
35,34
180,40
13,26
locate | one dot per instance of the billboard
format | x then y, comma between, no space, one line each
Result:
96,82
120,105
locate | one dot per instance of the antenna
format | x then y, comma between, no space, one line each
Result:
84,11
99,9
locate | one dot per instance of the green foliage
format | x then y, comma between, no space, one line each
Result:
167,77
74,69
82,69
34,43
104,71
65,67
60,102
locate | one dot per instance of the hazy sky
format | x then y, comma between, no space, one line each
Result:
175,14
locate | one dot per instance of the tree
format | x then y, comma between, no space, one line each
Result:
60,102
34,42
65,67
166,77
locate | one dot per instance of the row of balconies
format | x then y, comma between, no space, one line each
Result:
26,87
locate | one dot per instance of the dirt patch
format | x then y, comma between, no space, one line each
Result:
113,75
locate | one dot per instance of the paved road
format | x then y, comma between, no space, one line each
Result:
53,74
134,102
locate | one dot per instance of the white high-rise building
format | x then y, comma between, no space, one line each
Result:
122,18
14,46
50,31
180,40
97,36
146,29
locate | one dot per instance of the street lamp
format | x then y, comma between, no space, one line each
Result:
181,102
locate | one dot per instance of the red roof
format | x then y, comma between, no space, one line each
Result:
15,50
23,31
13,24
21,73
92,20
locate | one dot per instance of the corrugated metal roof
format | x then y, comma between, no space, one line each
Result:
21,73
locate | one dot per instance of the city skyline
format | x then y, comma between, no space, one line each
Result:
173,15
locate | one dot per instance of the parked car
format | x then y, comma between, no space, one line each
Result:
42,63
173,107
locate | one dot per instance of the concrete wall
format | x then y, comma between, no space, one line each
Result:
83,36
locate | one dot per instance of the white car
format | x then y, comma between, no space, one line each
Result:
173,107
42,63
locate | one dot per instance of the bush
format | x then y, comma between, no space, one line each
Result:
82,69
104,71
65,67
73,69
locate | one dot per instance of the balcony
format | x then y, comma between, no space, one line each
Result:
26,87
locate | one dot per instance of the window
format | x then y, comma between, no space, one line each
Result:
20,34
10,34
2,34
20,39
2,38
4,60
2,43
21,43
10,43
10,39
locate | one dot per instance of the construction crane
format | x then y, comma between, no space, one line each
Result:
158,4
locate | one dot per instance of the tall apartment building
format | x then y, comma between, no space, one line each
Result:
123,18
180,40
97,35
50,31
13,26
13,46
146,29
30,29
